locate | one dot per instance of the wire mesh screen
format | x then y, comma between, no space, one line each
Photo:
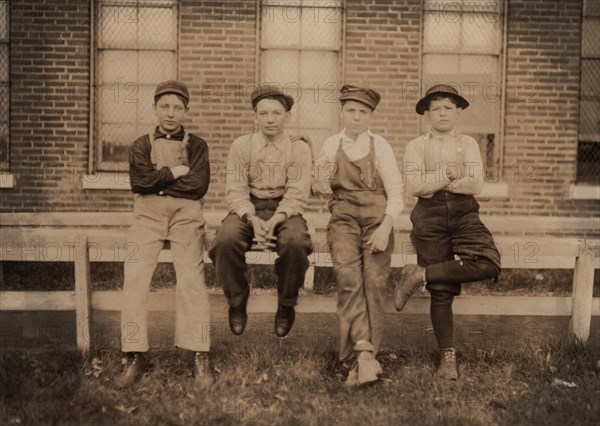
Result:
301,42
462,46
4,85
588,155
136,49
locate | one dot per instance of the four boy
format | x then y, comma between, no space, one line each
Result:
268,182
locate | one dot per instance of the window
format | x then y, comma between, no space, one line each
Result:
588,152
4,86
300,51
462,46
136,49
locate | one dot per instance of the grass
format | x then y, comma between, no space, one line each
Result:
553,381
109,276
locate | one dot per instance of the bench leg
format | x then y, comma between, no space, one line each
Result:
583,286
83,299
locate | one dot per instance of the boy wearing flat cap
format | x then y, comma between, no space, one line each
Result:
444,170
268,185
169,173
359,169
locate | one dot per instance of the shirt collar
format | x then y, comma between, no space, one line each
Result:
278,143
345,137
431,133
175,136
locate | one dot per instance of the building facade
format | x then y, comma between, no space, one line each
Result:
77,78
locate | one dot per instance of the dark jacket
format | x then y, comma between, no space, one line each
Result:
145,179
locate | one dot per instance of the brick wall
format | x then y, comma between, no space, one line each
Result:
217,58
542,91
49,113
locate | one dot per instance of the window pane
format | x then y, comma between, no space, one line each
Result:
590,78
118,27
441,34
116,139
481,35
4,71
591,8
4,27
313,114
318,68
321,3
436,68
145,105
154,67
280,27
588,160
119,65
157,28
280,66
321,29
115,105
590,40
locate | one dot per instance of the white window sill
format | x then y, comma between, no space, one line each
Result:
585,192
494,190
7,181
107,180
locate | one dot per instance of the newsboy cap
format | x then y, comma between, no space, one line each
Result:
270,91
443,90
172,86
369,97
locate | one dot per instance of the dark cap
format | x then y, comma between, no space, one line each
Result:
443,90
172,86
368,97
269,91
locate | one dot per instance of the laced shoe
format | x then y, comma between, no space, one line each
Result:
447,367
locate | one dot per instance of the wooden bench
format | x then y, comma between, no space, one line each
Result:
98,237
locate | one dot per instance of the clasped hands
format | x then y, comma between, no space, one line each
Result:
264,230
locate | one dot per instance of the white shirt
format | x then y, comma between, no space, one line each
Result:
427,157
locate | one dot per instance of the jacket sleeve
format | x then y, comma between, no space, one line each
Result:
144,178
197,179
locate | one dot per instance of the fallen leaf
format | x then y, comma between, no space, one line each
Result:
559,382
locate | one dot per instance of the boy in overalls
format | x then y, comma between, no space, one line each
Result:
169,174
360,170
444,169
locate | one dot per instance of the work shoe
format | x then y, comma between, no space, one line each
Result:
369,368
203,375
284,319
411,280
134,364
238,318
447,367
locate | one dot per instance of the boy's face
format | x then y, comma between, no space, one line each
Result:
356,117
170,111
270,117
443,115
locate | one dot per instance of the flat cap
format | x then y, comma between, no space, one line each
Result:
368,97
270,91
443,90
172,86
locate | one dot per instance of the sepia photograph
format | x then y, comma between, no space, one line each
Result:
300,212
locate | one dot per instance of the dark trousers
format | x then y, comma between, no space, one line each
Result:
234,238
446,225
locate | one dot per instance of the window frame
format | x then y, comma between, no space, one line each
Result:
5,165
96,164
497,164
585,138
330,93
